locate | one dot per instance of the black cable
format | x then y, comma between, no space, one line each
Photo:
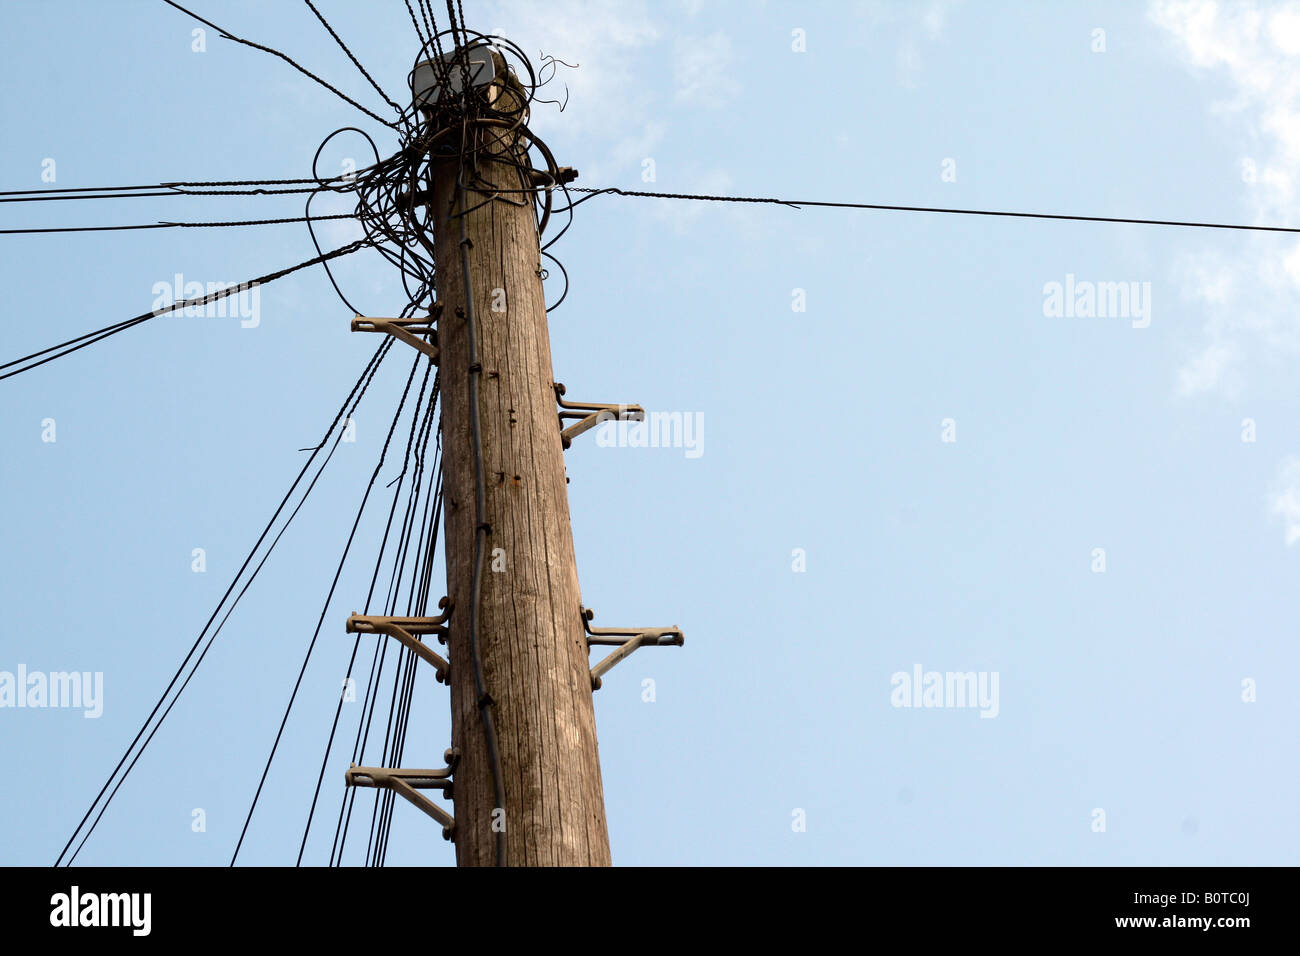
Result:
199,661
421,609
419,429
249,583
462,49
81,189
564,272
377,664
253,182
417,606
430,28
356,644
89,195
101,334
320,621
383,801
176,188
171,191
266,49
250,182
355,61
171,225
797,203
179,670
307,207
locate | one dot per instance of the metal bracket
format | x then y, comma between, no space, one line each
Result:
588,415
407,330
409,783
563,176
405,630
627,640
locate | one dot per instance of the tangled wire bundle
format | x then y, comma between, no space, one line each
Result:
466,125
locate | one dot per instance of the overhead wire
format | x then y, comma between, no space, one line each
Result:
173,191
355,61
170,225
307,216
149,720
212,638
404,683
380,651
407,542
225,34
356,644
90,338
799,203
416,450
320,621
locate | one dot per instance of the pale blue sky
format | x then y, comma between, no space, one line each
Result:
1119,690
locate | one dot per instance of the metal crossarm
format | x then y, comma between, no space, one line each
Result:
406,629
409,783
407,330
626,640
589,414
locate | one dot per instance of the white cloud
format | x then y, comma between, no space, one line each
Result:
1248,297
919,23
1205,371
704,70
1284,30
1284,499
935,17
626,155
600,38
609,124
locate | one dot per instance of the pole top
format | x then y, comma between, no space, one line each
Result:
426,86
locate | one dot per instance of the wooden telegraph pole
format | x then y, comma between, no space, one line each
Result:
523,770
532,648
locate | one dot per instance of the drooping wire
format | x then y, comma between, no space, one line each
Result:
171,192
199,661
404,685
307,216
419,428
266,49
355,61
320,621
356,644
149,720
178,186
90,338
798,203
168,225
408,538
419,33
